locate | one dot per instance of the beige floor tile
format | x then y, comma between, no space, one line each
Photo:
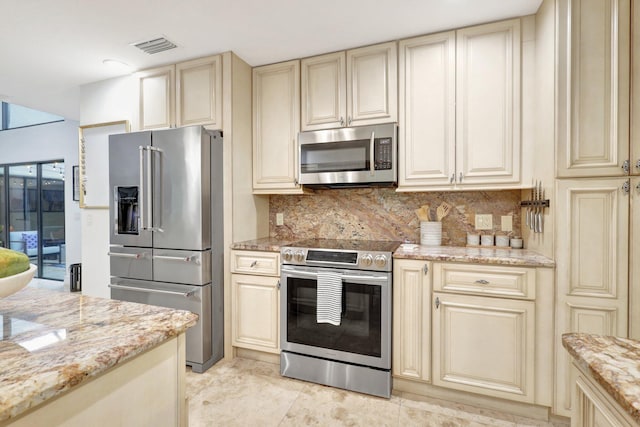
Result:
327,406
244,392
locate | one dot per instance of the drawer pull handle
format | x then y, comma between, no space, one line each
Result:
482,282
253,263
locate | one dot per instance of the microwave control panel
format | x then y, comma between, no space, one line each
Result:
383,153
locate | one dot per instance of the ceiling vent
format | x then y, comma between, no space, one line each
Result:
157,45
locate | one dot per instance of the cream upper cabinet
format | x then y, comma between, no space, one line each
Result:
352,88
593,96
460,109
157,98
488,103
592,256
276,122
412,320
255,302
324,91
427,149
199,92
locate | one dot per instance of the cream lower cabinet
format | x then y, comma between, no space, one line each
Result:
479,328
592,247
484,345
276,122
412,320
255,300
594,407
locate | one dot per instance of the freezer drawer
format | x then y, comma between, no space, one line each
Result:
188,267
130,262
196,299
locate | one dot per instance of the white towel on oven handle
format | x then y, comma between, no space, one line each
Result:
329,298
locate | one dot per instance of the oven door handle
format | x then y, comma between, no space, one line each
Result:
348,277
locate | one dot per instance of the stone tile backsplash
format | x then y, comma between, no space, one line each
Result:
384,214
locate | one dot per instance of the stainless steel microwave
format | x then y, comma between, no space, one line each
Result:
349,156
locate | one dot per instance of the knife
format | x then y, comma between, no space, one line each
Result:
541,209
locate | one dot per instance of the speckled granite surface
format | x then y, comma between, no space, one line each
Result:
53,341
384,214
613,362
474,255
433,253
265,244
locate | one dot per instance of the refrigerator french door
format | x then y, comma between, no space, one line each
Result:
161,216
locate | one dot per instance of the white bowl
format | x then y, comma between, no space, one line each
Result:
12,284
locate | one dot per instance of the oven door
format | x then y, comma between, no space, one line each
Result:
364,334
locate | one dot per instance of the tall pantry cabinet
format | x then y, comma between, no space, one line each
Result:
598,171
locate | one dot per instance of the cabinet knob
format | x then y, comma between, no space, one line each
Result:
253,263
638,164
437,302
482,282
425,268
626,166
341,121
453,176
349,121
460,179
626,187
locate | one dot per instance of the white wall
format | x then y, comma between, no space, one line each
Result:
101,102
43,143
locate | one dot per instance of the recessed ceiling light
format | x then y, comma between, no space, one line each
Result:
117,64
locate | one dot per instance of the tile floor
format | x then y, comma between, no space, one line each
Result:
244,392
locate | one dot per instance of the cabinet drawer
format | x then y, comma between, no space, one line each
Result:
263,263
495,280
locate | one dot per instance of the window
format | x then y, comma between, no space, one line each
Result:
14,116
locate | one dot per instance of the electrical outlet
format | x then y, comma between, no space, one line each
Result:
279,218
484,222
506,222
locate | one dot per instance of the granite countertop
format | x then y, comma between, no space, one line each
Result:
613,362
517,257
265,244
505,256
53,341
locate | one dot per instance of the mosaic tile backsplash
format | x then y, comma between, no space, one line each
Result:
384,214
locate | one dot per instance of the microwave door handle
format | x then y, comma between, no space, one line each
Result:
372,167
141,223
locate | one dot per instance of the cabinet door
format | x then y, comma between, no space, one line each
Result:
427,111
157,98
372,85
484,345
276,122
592,267
593,95
635,94
634,267
412,320
255,311
199,92
488,103
324,91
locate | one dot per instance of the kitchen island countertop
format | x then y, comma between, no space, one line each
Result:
613,363
55,341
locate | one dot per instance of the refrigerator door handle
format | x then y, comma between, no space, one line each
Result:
153,291
193,259
141,201
157,214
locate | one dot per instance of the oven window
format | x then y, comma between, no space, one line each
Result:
335,157
360,326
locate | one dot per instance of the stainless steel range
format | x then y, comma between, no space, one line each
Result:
336,313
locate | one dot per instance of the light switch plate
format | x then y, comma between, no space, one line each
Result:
506,223
484,222
279,218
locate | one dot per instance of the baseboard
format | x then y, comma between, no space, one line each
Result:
245,353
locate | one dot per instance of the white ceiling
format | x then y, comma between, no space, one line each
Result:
50,48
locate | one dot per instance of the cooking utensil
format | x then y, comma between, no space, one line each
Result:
443,210
541,211
423,213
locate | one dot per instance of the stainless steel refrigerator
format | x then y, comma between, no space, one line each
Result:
166,228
